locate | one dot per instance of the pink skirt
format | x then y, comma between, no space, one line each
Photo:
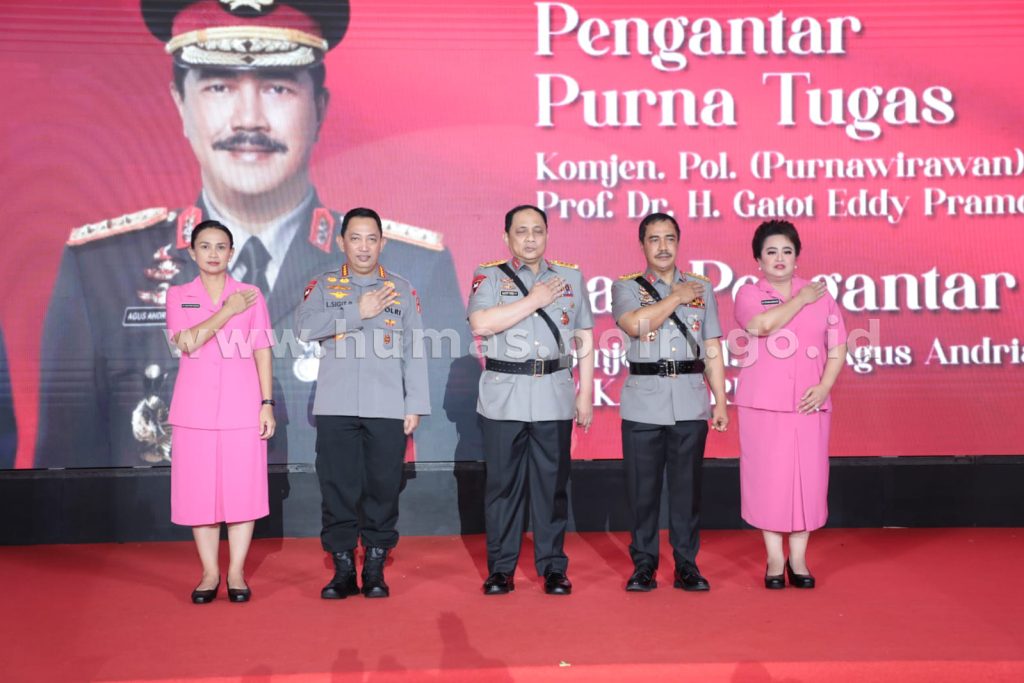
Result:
218,475
784,469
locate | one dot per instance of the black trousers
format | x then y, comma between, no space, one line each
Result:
359,465
526,460
648,452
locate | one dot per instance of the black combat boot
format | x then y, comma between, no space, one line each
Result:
373,573
344,582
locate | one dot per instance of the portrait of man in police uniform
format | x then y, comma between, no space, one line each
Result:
674,354
248,83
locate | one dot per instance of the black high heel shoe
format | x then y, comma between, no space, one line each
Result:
774,583
239,594
202,597
798,580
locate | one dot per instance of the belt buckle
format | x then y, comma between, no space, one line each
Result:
538,367
670,368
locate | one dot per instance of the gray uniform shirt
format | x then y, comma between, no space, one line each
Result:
372,367
666,400
522,397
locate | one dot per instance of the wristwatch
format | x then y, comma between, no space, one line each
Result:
268,402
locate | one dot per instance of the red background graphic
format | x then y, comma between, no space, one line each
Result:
433,122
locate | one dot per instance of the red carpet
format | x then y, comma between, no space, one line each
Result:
891,605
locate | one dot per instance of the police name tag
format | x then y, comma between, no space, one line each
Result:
770,302
145,316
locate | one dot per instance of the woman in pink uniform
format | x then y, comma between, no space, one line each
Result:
222,412
792,361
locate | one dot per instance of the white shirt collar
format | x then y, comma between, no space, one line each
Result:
277,238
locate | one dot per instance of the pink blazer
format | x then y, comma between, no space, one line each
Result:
217,385
779,368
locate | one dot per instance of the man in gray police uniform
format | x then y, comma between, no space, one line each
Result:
672,321
249,85
371,392
526,309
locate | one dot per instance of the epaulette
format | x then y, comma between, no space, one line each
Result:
701,277
116,226
421,237
491,264
564,264
631,276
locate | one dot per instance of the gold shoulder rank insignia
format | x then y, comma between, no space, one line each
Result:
631,276
421,237
699,277
491,264
115,226
564,264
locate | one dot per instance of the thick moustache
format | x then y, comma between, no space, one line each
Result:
250,142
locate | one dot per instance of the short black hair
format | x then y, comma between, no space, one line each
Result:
523,207
657,218
212,225
769,228
360,212
317,73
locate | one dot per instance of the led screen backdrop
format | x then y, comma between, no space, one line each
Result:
888,134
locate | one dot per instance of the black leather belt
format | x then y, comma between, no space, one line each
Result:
536,367
667,368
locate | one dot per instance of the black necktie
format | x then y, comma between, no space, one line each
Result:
255,258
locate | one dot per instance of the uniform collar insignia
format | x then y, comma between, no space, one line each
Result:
321,227
187,220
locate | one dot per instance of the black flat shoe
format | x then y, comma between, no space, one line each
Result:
642,580
774,583
202,597
798,580
689,579
239,594
557,583
499,583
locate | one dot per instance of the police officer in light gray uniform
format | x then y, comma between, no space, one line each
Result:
371,391
664,403
528,396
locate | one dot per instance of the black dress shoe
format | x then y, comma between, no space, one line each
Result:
344,582
689,579
798,580
202,597
373,573
557,583
239,594
642,580
499,583
777,582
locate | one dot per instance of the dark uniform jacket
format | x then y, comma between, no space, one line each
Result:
107,371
